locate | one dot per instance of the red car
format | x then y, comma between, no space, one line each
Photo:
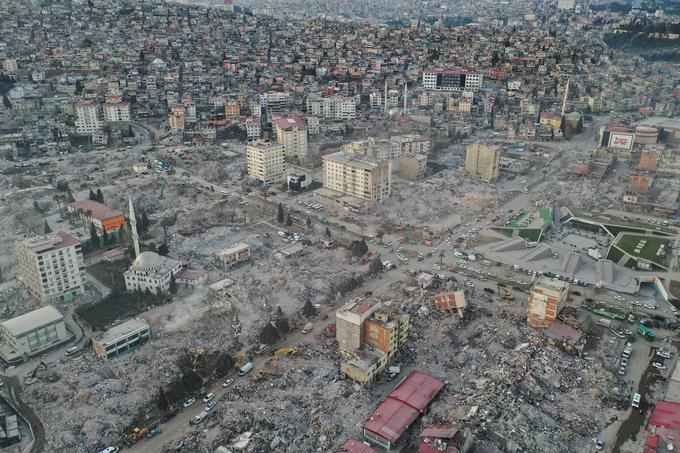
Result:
658,377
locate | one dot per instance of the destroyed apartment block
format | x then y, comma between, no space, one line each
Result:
450,302
445,439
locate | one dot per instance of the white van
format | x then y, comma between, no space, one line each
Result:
245,369
636,400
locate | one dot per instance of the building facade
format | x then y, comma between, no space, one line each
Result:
31,333
233,255
483,162
546,298
103,217
361,177
51,266
176,118
116,112
412,168
266,161
151,271
87,118
121,338
452,80
291,132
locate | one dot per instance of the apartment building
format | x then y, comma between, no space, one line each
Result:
412,168
87,118
253,127
176,118
386,332
276,103
116,112
358,176
377,149
452,80
483,162
412,145
31,333
335,107
546,298
291,132
266,161
51,266
349,320
121,338
233,255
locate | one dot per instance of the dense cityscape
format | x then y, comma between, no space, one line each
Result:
353,226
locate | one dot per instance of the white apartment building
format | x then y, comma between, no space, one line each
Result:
291,132
412,145
87,118
276,103
566,4
313,125
361,177
253,127
266,161
452,80
117,111
121,338
31,333
10,65
51,266
334,107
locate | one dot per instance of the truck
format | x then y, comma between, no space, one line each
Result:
245,369
307,328
605,322
471,257
595,254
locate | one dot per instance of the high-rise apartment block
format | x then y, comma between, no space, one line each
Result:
51,266
452,80
116,112
176,118
291,132
335,107
87,118
546,298
361,177
483,162
266,161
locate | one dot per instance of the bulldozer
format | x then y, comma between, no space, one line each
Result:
286,351
508,296
260,376
139,433
198,355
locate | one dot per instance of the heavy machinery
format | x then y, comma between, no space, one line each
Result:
286,351
197,356
139,433
260,376
608,314
508,296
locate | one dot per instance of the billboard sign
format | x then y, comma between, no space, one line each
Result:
619,140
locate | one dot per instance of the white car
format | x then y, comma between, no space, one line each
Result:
209,397
637,303
663,353
209,406
110,450
636,400
227,383
617,297
189,402
659,366
650,306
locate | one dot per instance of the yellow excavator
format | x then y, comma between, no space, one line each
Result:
286,351
508,296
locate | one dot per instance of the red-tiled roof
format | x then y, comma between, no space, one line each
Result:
440,431
290,121
189,274
99,211
355,446
666,414
417,390
391,419
450,301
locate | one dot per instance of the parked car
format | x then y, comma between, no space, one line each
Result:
227,383
666,354
72,350
618,297
658,365
189,402
110,450
209,406
636,400
153,433
599,445
209,397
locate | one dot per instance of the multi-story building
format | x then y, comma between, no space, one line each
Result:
51,266
377,149
232,110
349,320
483,162
412,168
176,118
291,132
229,6
103,217
361,177
266,161
276,103
452,80
546,298
334,107
233,255
87,118
385,332
31,333
116,112
121,338
313,125
566,4
253,127
10,66
412,145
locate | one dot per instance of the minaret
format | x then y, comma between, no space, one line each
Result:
385,98
405,96
133,226
564,102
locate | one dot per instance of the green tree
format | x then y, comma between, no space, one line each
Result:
279,312
309,222
6,102
94,238
162,400
376,266
224,364
289,221
173,284
105,236
100,196
92,196
328,232
47,229
282,326
441,257
308,310
279,214
269,334
359,248
163,249
192,381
